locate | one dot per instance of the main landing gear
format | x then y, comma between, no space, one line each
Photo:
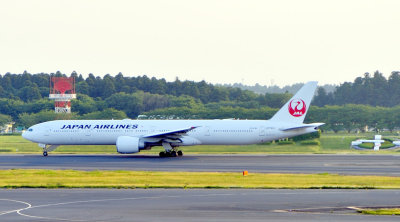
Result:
171,153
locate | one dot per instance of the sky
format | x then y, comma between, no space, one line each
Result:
219,41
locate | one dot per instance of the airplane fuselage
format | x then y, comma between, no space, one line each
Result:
206,132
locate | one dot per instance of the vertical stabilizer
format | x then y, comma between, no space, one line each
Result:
295,110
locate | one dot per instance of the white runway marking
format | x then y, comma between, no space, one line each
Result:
18,211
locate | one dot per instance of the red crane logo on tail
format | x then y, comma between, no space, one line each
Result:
297,107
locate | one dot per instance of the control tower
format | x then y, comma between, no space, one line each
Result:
62,90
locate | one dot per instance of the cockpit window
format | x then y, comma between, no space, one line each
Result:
30,129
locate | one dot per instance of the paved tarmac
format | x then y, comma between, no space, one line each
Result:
192,205
340,164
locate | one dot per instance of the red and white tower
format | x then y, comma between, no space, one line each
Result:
62,90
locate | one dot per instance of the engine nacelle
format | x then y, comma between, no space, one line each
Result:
129,144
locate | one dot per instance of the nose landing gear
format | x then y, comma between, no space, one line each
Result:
47,148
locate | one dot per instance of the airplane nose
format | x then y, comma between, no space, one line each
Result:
25,135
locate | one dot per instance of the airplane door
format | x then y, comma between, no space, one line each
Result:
207,132
152,129
262,131
88,133
86,136
47,132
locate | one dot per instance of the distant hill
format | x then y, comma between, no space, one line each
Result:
262,89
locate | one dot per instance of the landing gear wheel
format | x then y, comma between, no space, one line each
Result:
44,153
180,153
170,154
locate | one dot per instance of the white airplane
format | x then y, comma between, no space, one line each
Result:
131,136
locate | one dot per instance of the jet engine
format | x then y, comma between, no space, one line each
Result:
129,144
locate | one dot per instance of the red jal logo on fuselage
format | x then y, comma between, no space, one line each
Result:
297,107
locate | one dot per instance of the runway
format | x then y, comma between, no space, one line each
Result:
121,205
340,164
192,205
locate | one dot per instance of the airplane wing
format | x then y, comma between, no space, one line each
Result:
303,126
171,133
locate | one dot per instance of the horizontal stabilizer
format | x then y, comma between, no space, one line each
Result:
303,126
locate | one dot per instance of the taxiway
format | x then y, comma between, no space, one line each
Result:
341,164
119,205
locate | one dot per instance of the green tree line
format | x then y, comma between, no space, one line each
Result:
375,90
27,87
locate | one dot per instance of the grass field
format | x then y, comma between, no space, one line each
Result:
330,143
138,179
381,211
